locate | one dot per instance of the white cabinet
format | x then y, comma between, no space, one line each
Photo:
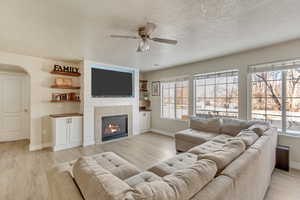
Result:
66,132
145,121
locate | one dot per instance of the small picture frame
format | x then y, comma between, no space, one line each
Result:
155,88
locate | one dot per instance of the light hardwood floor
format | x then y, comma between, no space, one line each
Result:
22,173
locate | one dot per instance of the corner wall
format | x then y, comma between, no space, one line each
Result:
241,61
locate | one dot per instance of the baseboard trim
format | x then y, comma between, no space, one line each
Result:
162,132
88,143
295,165
14,139
37,147
46,145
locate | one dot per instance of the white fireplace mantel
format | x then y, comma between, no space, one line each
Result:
89,104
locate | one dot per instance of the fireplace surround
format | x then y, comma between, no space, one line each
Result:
107,113
114,127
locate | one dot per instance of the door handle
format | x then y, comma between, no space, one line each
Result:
69,120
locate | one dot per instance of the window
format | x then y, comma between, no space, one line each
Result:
266,97
174,99
216,94
276,98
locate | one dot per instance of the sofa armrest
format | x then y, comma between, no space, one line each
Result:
61,184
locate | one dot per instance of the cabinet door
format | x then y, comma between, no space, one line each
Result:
145,119
75,131
148,120
142,121
61,131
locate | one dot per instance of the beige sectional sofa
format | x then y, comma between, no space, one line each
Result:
227,159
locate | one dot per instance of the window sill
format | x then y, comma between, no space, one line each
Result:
182,120
289,134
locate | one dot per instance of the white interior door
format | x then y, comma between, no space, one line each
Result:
12,108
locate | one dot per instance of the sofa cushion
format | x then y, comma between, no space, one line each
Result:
195,136
224,156
184,146
96,182
222,138
155,190
116,165
178,162
142,178
231,126
182,184
187,182
206,125
207,147
247,136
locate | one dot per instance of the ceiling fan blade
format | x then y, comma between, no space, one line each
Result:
167,41
124,36
149,28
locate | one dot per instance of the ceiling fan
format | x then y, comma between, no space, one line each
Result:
144,33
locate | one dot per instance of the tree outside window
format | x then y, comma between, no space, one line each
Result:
276,98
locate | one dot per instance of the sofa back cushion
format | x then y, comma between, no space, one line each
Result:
97,183
206,125
187,182
232,126
230,151
155,190
247,136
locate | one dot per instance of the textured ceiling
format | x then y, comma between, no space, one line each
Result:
77,29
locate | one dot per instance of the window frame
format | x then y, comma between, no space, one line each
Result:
215,74
175,98
284,97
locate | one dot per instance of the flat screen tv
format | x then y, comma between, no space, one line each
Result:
111,83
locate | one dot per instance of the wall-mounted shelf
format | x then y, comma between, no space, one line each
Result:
143,86
64,101
65,87
65,73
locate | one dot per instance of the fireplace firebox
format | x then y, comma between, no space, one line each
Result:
114,127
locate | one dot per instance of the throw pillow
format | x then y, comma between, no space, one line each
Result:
247,136
259,129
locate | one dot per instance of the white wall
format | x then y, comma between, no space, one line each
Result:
40,94
89,103
241,61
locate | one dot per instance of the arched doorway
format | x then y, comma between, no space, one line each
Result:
14,103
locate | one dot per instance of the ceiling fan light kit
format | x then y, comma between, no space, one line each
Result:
143,46
144,33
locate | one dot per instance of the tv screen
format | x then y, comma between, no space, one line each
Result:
109,83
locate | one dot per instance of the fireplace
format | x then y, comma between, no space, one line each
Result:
114,127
